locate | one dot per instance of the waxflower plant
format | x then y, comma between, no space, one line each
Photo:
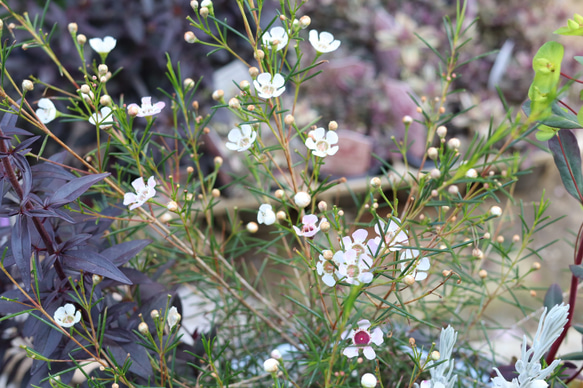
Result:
109,255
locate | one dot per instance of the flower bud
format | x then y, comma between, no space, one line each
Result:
234,103
133,110
218,95
496,211
409,280
81,39
328,254
407,120
204,12
432,153
143,328
302,199
325,226
477,253
515,238
279,193
194,5
252,227
305,22
536,265
244,85
72,28
188,84
454,143
259,55
332,125
216,193
96,279
253,72
289,120
376,182
271,365
85,89
154,314
435,173
482,273
115,385
172,206
189,37
281,215
276,354
434,193
27,85
472,173
453,190
368,380
441,131
322,206
102,69
218,161
105,100
435,355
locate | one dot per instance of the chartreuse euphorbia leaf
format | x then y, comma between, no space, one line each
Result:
547,68
559,118
545,132
567,157
574,26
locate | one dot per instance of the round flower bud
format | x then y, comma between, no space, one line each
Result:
105,100
218,95
532,293
172,206
115,385
435,355
454,143
253,72
441,131
72,28
189,170
368,380
477,252
234,103
409,280
302,199
194,5
322,206
281,215
27,85
154,314
289,120
85,89
500,239
271,365
434,193
252,227
536,265
332,125
102,69
407,120
204,12
515,238
278,193
244,85
305,22
324,226
259,55
188,84
435,173
133,110
487,236
496,211
189,37
341,213
96,279
412,341
216,193
143,328
453,190
275,354
472,173
218,161
376,182
81,39
327,254
483,274
432,153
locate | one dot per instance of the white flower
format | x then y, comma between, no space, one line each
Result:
309,228
419,267
323,42
362,338
496,211
357,242
46,111
271,365
328,268
147,109
143,193
268,86
368,380
355,269
102,46
104,118
392,235
302,199
66,316
265,215
173,317
275,38
241,138
321,142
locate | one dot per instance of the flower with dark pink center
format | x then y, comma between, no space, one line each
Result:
356,268
309,227
362,338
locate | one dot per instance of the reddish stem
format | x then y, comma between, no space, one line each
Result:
571,78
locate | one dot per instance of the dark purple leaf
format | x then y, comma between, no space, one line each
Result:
21,248
73,189
568,160
121,253
51,171
24,146
9,307
553,296
22,164
8,123
75,242
139,357
93,262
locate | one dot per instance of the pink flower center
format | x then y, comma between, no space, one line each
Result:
361,337
329,267
268,89
322,145
243,142
68,319
359,248
352,271
307,228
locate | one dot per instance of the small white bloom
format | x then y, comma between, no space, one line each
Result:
420,268
309,228
268,86
368,380
143,193
104,118
46,111
323,42
359,243
321,142
392,235
271,365
265,215
241,138
472,173
147,109
356,268
275,38
496,211
362,338
329,268
102,46
173,317
302,199
66,316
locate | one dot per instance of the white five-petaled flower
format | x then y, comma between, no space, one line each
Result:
147,109
309,227
357,242
102,46
173,317
143,193
265,215
241,138
323,42
321,142
362,338
268,86
46,111
329,268
67,316
275,38
390,235
355,269
104,118
419,267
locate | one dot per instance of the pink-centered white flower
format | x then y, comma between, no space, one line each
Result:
359,243
241,138
362,338
147,109
46,111
356,268
103,46
266,215
103,118
275,38
268,86
143,193
321,143
323,42
391,235
67,316
309,227
419,267
328,269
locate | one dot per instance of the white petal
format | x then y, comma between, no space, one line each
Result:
326,37
246,130
424,264
232,146
310,143
129,198
366,277
351,351
332,137
278,81
138,184
329,280
376,336
146,101
235,135
313,37
318,133
369,353
332,150
263,79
